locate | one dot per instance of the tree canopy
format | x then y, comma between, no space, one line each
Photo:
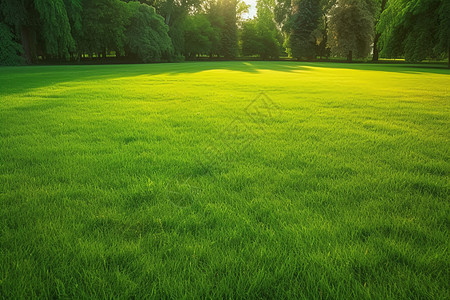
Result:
261,36
416,29
350,28
33,31
11,50
303,28
146,34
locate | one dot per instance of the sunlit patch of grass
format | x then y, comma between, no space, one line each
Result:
164,181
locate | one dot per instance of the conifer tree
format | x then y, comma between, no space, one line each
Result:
303,28
229,32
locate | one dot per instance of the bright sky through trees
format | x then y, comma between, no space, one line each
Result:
252,9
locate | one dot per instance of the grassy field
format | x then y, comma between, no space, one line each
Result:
225,180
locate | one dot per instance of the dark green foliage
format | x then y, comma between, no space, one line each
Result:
104,24
380,5
55,28
282,12
229,32
250,39
270,36
10,50
256,39
60,30
199,35
261,36
74,10
23,19
303,28
322,49
44,26
176,33
444,28
415,29
174,13
14,12
146,34
351,28
270,44
215,17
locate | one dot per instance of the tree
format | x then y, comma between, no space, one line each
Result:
146,34
10,50
43,26
269,35
74,12
23,21
350,28
55,28
415,29
303,29
229,31
304,26
257,39
175,13
250,39
444,30
322,48
376,50
282,12
199,35
103,24
215,17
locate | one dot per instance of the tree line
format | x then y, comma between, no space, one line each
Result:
173,30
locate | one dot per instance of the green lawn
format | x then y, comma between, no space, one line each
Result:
225,180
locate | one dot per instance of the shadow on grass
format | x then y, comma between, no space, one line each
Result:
21,79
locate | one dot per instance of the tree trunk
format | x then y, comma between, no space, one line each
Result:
350,56
375,47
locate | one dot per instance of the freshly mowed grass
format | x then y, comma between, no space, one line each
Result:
177,180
